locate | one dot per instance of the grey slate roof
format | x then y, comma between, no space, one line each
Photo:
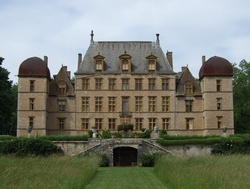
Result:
111,50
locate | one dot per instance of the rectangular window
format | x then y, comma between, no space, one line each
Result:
31,122
125,107
112,124
219,103
152,103
61,123
85,84
138,84
98,123
112,104
32,85
189,88
125,65
98,65
151,65
62,88
138,123
98,83
219,122
138,104
189,123
61,105
152,123
98,104
151,84
112,84
218,85
165,83
165,123
85,104
165,103
125,84
85,123
189,105
32,103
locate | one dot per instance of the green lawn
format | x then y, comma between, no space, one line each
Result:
127,178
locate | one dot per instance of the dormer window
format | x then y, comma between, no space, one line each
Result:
62,88
151,62
99,63
189,88
125,62
125,65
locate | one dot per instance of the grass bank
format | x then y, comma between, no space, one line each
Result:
49,173
224,172
126,178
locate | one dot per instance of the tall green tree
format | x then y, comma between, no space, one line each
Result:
6,101
241,97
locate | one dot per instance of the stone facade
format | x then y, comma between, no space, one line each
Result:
125,82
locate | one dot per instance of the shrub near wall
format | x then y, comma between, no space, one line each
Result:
26,146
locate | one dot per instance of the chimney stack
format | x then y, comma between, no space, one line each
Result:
79,59
45,59
157,39
203,59
170,58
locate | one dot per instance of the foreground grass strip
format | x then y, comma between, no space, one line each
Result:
125,178
210,172
46,173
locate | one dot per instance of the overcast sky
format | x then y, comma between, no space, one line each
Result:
60,29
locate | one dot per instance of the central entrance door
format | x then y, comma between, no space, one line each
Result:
125,156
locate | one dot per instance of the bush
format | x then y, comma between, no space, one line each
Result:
232,145
149,160
106,134
125,127
205,141
25,146
117,134
6,137
145,134
104,160
64,138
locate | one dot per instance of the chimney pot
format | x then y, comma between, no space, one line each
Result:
157,39
203,59
45,58
79,59
170,58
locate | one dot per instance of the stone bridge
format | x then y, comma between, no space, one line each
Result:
127,152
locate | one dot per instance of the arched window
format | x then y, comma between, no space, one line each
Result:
125,62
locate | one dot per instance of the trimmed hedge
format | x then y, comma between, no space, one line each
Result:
6,137
28,146
65,138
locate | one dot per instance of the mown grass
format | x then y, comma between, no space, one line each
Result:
46,173
217,172
126,178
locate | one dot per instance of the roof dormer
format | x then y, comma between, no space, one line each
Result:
125,62
151,61
99,63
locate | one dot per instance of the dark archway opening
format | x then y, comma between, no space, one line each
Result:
125,156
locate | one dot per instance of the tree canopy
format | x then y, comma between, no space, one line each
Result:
241,97
8,98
